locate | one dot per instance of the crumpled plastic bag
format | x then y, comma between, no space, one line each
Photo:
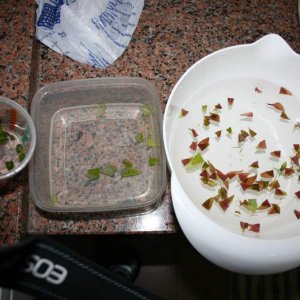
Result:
95,32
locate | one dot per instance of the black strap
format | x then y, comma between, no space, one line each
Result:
47,270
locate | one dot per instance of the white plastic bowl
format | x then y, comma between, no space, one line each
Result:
267,63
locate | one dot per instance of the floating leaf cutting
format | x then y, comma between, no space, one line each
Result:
208,203
229,130
230,101
194,162
250,227
244,225
267,174
153,161
277,105
194,132
139,138
204,108
262,145
101,108
93,174
9,165
275,209
297,125
129,172
254,165
298,194
183,113
215,117
3,135
206,121
280,192
218,106
185,161
276,153
127,164
54,198
252,132
193,146
150,142
147,110
108,170
20,151
297,213
284,116
274,184
264,205
218,133
247,114
284,91
250,204
224,204
257,90
203,144
289,171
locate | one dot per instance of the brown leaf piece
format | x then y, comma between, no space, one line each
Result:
247,114
276,153
277,105
204,143
262,145
284,91
275,209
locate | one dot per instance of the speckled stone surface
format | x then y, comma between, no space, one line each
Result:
170,37
16,35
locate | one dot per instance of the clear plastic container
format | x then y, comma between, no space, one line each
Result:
17,139
90,124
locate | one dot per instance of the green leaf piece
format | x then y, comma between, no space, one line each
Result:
9,165
93,174
139,138
127,163
229,130
204,108
108,170
3,135
195,162
151,143
128,172
54,198
147,110
153,161
101,108
21,156
19,148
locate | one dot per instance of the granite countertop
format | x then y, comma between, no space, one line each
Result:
170,37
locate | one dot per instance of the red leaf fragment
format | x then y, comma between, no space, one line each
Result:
208,203
204,173
225,203
218,106
262,145
254,165
275,209
295,160
193,146
184,112
284,116
221,175
276,153
218,133
296,147
298,194
254,227
257,90
247,114
230,101
244,225
289,171
280,192
243,176
215,117
267,174
265,204
232,174
244,133
185,161
213,176
284,91
277,105
297,213
297,125
203,144
194,132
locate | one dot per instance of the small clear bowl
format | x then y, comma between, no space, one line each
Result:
17,139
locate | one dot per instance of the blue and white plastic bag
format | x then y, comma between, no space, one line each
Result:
95,32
